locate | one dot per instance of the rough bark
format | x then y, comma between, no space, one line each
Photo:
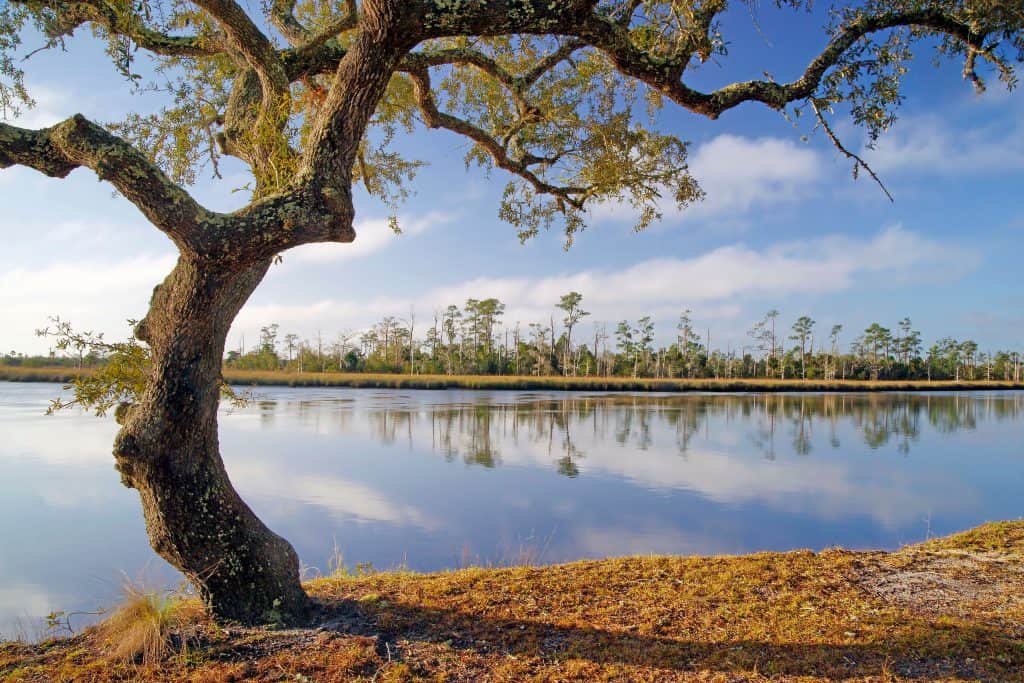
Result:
168,450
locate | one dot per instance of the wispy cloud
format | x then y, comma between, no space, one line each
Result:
715,282
931,145
93,295
372,235
51,106
739,174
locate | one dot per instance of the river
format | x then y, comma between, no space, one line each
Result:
432,480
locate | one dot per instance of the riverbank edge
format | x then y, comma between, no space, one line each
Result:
527,383
947,609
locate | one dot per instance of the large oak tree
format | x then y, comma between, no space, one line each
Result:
310,94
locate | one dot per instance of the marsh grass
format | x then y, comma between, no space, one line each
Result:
557,383
62,375
529,383
148,626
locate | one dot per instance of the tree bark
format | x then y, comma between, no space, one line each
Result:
168,450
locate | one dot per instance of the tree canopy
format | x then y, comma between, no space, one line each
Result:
561,96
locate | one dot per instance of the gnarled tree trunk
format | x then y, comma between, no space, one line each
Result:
168,450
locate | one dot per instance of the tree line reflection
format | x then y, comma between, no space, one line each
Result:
774,425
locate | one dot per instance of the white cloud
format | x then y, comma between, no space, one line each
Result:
931,145
52,105
371,236
92,295
102,296
738,174
710,283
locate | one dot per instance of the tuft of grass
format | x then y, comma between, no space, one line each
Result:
148,626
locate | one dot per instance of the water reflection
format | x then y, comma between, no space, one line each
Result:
434,479
473,431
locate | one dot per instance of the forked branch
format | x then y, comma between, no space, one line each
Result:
516,164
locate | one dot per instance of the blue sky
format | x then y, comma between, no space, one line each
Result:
784,225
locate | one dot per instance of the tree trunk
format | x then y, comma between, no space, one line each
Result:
168,450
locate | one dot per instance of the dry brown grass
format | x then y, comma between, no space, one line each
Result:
948,610
10,373
148,626
394,381
525,383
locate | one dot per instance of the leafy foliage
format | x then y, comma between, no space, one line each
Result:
13,94
558,113
122,379
119,380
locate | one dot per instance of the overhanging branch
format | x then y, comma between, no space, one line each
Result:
665,75
77,142
74,14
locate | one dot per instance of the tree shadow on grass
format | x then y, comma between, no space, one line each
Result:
931,649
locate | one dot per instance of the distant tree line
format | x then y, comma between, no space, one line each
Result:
473,340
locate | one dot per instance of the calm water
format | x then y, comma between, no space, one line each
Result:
440,479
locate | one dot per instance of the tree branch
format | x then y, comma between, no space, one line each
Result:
246,38
76,142
664,75
442,18
520,166
857,161
282,16
72,15
347,22
265,228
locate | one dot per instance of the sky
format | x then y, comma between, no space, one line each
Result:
784,225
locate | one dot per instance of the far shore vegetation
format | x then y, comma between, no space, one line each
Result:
365,380
471,347
945,609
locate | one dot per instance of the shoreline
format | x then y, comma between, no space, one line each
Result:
946,609
246,378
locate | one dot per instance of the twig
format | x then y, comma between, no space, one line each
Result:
858,162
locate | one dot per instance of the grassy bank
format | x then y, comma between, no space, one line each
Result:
392,381
950,609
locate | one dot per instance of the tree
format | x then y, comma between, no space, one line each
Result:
291,342
688,341
833,336
545,91
877,340
643,336
570,304
769,332
626,344
802,331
